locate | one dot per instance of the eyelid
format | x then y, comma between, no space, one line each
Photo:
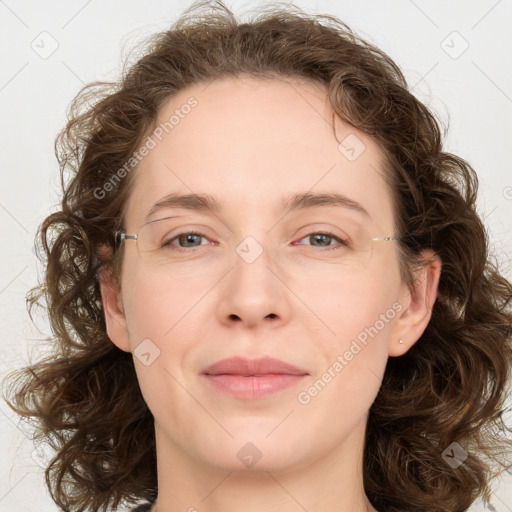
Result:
330,226
173,235
327,229
323,232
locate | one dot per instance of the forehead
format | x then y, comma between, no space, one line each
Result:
251,142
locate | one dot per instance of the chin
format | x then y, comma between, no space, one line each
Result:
253,451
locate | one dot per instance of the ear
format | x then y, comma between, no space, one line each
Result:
113,307
417,303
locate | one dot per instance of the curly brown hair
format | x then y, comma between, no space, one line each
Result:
85,400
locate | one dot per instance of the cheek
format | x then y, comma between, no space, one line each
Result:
156,305
349,305
357,313
159,320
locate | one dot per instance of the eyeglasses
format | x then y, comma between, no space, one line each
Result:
162,241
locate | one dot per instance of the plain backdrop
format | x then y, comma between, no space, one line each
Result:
456,55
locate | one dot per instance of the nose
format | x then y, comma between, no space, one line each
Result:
254,292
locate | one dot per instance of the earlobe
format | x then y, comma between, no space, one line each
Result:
115,319
419,301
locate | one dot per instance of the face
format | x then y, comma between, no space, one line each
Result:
254,280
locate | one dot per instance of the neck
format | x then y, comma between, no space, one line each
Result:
332,483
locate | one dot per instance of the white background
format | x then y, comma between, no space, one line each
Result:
473,92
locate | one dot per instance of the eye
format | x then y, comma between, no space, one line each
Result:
185,238
188,240
325,239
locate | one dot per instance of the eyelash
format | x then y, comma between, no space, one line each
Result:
168,243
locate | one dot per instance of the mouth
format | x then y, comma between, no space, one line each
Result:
252,378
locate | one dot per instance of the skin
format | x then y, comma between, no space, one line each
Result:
248,142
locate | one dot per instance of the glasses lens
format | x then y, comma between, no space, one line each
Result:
155,241
348,244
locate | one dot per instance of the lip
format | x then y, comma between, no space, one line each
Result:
252,378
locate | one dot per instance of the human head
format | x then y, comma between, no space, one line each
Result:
369,93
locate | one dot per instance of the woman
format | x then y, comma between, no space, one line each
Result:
268,284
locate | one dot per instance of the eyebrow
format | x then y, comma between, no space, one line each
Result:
301,201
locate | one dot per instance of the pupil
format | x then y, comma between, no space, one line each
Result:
187,238
324,237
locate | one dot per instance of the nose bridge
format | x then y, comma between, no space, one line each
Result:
255,262
254,248
253,290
